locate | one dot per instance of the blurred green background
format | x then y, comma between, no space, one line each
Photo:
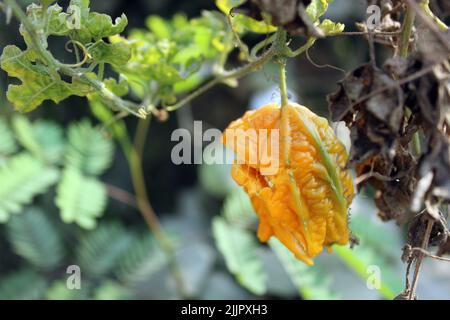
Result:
119,259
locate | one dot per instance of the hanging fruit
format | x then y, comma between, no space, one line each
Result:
305,202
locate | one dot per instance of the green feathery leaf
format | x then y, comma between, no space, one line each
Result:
100,250
24,284
22,178
80,199
143,260
7,143
35,238
89,150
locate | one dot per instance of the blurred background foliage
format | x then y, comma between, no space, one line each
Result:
65,192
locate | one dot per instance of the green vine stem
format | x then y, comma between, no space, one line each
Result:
403,50
133,154
137,174
407,27
252,66
425,5
283,87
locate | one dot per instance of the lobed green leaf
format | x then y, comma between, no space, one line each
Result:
81,199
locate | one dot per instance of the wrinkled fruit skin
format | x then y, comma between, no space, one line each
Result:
305,204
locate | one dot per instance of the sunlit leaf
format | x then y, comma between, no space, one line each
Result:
38,84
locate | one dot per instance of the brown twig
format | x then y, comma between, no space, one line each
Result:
121,195
430,255
419,259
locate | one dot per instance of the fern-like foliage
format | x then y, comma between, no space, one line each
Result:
111,290
50,137
240,251
43,139
139,263
7,143
99,250
311,283
26,136
59,291
80,199
22,178
24,284
35,238
89,149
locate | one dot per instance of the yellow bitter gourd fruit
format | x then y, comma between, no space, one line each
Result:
305,203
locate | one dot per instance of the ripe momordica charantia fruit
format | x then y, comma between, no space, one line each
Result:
305,202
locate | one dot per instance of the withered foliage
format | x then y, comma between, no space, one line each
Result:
289,14
385,107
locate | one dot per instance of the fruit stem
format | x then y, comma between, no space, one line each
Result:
283,87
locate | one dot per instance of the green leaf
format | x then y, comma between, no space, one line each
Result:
24,284
46,3
330,27
100,250
317,8
40,80
115,53
38,85
171,52
142,261
24,133
119,88
44,139
87,27
240,251
242,23
158,26
22,178
105,115
59,291
89,150
36,239
111,290
101,26
50,137
7,143
311,284
80,199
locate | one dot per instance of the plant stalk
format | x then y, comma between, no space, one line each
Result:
283,86
407,27
134,157
257,63
419,259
